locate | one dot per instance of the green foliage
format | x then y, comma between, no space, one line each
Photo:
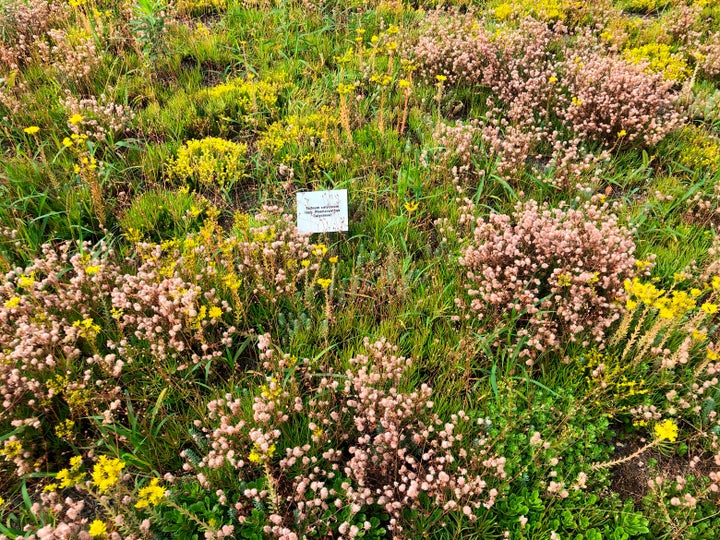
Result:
149,26
160,215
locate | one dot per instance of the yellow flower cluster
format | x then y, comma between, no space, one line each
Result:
256,455
660,59
98,529
88,328
673,304
324,283
64,430
210,161
667,430
546,10
701,151
270,393
200,7
299,130
69,477
11,449
247,94
12,302
151,495
106,473
74,139
26,282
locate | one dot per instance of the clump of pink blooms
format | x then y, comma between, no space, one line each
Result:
455,46
370,446
75,325
101,117
559,271
553,95
25,26
612,100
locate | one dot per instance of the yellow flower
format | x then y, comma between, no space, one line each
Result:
576,101
70,477
503,11
564,280
232,282
106,473
305,263
630,305
709,308
440,78
712,355
695,292
26,281
411,207
404,83
75,119
621,133
150,495
215,312
324,283
2,501
88,328
32,130
13,302
67,142
552,79
319,249
97,529
255,456
93,269
667,430
64,430
50,488
698,335
333,260
11,449
715,282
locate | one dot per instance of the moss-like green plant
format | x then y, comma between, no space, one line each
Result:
161,214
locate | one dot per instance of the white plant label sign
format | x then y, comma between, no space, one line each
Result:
322,211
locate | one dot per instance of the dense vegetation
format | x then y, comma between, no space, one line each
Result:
516,338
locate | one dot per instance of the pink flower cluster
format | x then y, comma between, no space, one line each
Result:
24,28
370,445
58,342
612,100
550,97
559,271
455,46
101,117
